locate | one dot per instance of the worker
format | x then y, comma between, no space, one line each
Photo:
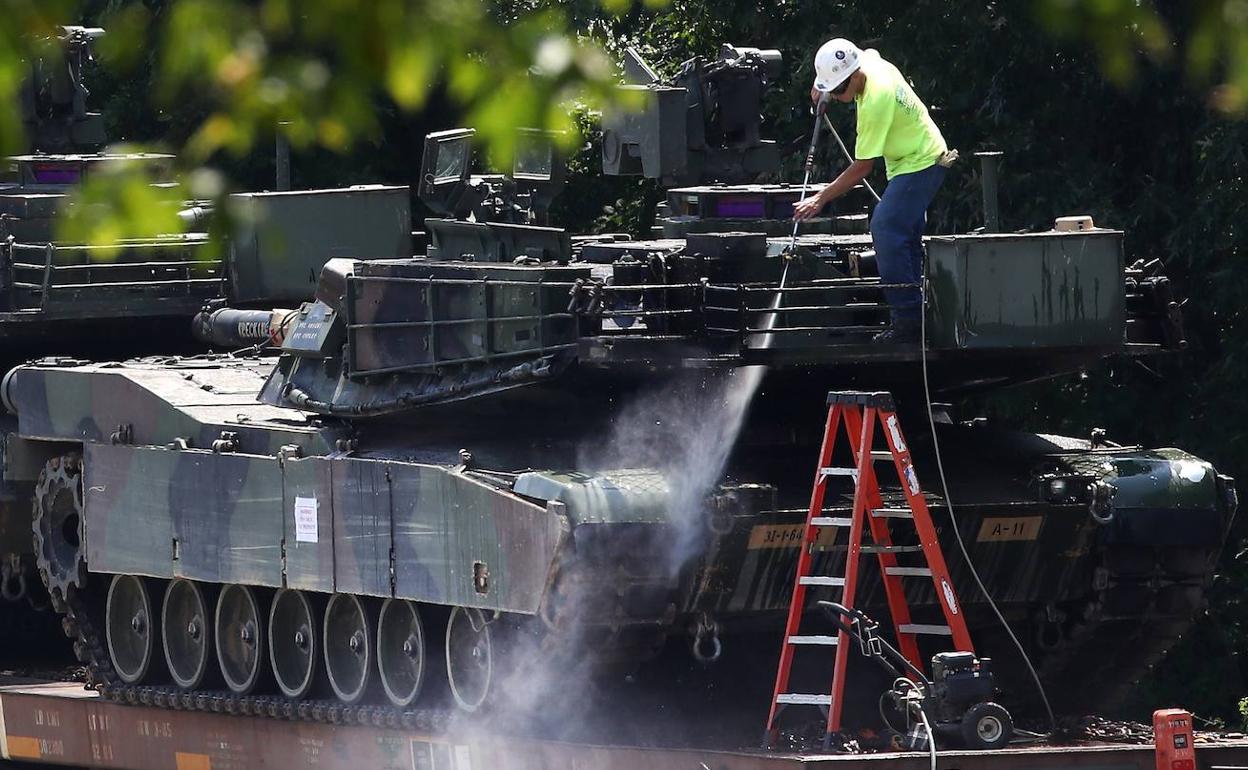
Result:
895,125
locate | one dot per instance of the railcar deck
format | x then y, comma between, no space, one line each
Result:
61,724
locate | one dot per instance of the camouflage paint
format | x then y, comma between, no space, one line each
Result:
194,402
416,316
183,513
1031,290
445,522
228,518
1162,497
309,565
283,238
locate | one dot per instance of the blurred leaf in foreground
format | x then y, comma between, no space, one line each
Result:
1208,38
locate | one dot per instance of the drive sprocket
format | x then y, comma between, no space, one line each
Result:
60,550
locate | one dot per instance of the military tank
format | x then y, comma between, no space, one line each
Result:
597,443
171,294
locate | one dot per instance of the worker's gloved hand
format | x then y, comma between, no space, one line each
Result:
807,207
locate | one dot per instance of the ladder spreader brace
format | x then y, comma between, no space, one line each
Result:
859,412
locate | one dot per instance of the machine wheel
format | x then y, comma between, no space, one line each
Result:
986,726
400,651
239,638
348,643
469,658
60,550
185,632
130,627
293,649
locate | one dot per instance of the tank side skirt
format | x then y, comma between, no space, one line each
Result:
318,524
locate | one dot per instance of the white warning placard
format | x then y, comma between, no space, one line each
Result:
305,520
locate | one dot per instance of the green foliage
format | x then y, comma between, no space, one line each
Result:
317,73
25,30
1209,37
316,70
599,204
120,201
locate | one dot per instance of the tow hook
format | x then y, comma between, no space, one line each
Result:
1102,505
12,579
1049,630
706,644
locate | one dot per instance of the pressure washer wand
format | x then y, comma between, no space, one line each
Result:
769,320
820,107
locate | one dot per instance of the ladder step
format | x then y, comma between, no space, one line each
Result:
825,641
804,699
881,454
891,548
892,513
831,521
908,571
919,628
821,580
839,472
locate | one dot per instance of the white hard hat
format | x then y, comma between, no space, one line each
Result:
835,61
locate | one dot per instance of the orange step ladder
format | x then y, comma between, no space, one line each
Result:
859,412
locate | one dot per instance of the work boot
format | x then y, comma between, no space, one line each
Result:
901,331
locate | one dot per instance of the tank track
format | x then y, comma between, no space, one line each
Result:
432,721
85,628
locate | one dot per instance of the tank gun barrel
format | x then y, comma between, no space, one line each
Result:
232,328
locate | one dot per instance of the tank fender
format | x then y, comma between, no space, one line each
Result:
1164,497
6,389
620,496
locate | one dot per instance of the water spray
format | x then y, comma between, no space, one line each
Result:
706,421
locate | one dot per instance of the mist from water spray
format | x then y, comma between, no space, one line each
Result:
686,429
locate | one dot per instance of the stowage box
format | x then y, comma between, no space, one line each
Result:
1030,290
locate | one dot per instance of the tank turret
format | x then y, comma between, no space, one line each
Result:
500,303
54,94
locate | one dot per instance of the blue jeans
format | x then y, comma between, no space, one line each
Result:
897,233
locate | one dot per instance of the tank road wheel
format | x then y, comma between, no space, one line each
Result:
400,651
60,552
185,633
130,627
239,638
293,649
469,658
348,643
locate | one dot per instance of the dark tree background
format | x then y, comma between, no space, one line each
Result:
1148,155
